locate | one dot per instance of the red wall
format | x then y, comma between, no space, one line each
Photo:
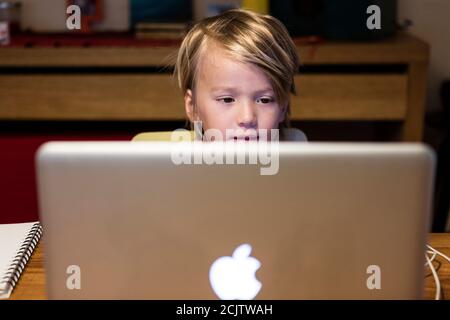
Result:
18,196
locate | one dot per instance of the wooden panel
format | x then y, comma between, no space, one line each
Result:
87,57
156,97
350,97
90,97
412,128
400,49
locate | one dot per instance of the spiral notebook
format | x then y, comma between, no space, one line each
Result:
17,242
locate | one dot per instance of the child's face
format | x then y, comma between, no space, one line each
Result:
232,95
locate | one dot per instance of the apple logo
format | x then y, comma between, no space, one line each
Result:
233,278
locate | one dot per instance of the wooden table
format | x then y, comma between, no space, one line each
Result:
32,282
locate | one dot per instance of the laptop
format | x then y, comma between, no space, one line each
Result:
186,220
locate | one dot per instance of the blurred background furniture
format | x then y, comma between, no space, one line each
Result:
382,82
439,122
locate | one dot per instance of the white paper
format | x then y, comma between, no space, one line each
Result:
12,237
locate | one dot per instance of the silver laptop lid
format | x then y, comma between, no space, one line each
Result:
122,220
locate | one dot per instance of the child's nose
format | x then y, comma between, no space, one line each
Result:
247,115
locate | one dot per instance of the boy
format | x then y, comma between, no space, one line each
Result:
236,71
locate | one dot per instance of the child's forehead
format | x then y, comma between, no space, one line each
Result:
222,66
218,65
211,51
215,57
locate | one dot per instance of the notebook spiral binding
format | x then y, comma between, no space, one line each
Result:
23,255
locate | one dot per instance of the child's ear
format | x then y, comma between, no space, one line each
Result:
189,106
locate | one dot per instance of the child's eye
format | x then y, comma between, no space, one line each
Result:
226,100
265,100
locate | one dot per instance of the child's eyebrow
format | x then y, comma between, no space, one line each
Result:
234,90
265,90
227,89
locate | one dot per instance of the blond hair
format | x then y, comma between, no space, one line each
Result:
249,37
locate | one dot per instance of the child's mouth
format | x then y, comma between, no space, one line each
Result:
246,138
